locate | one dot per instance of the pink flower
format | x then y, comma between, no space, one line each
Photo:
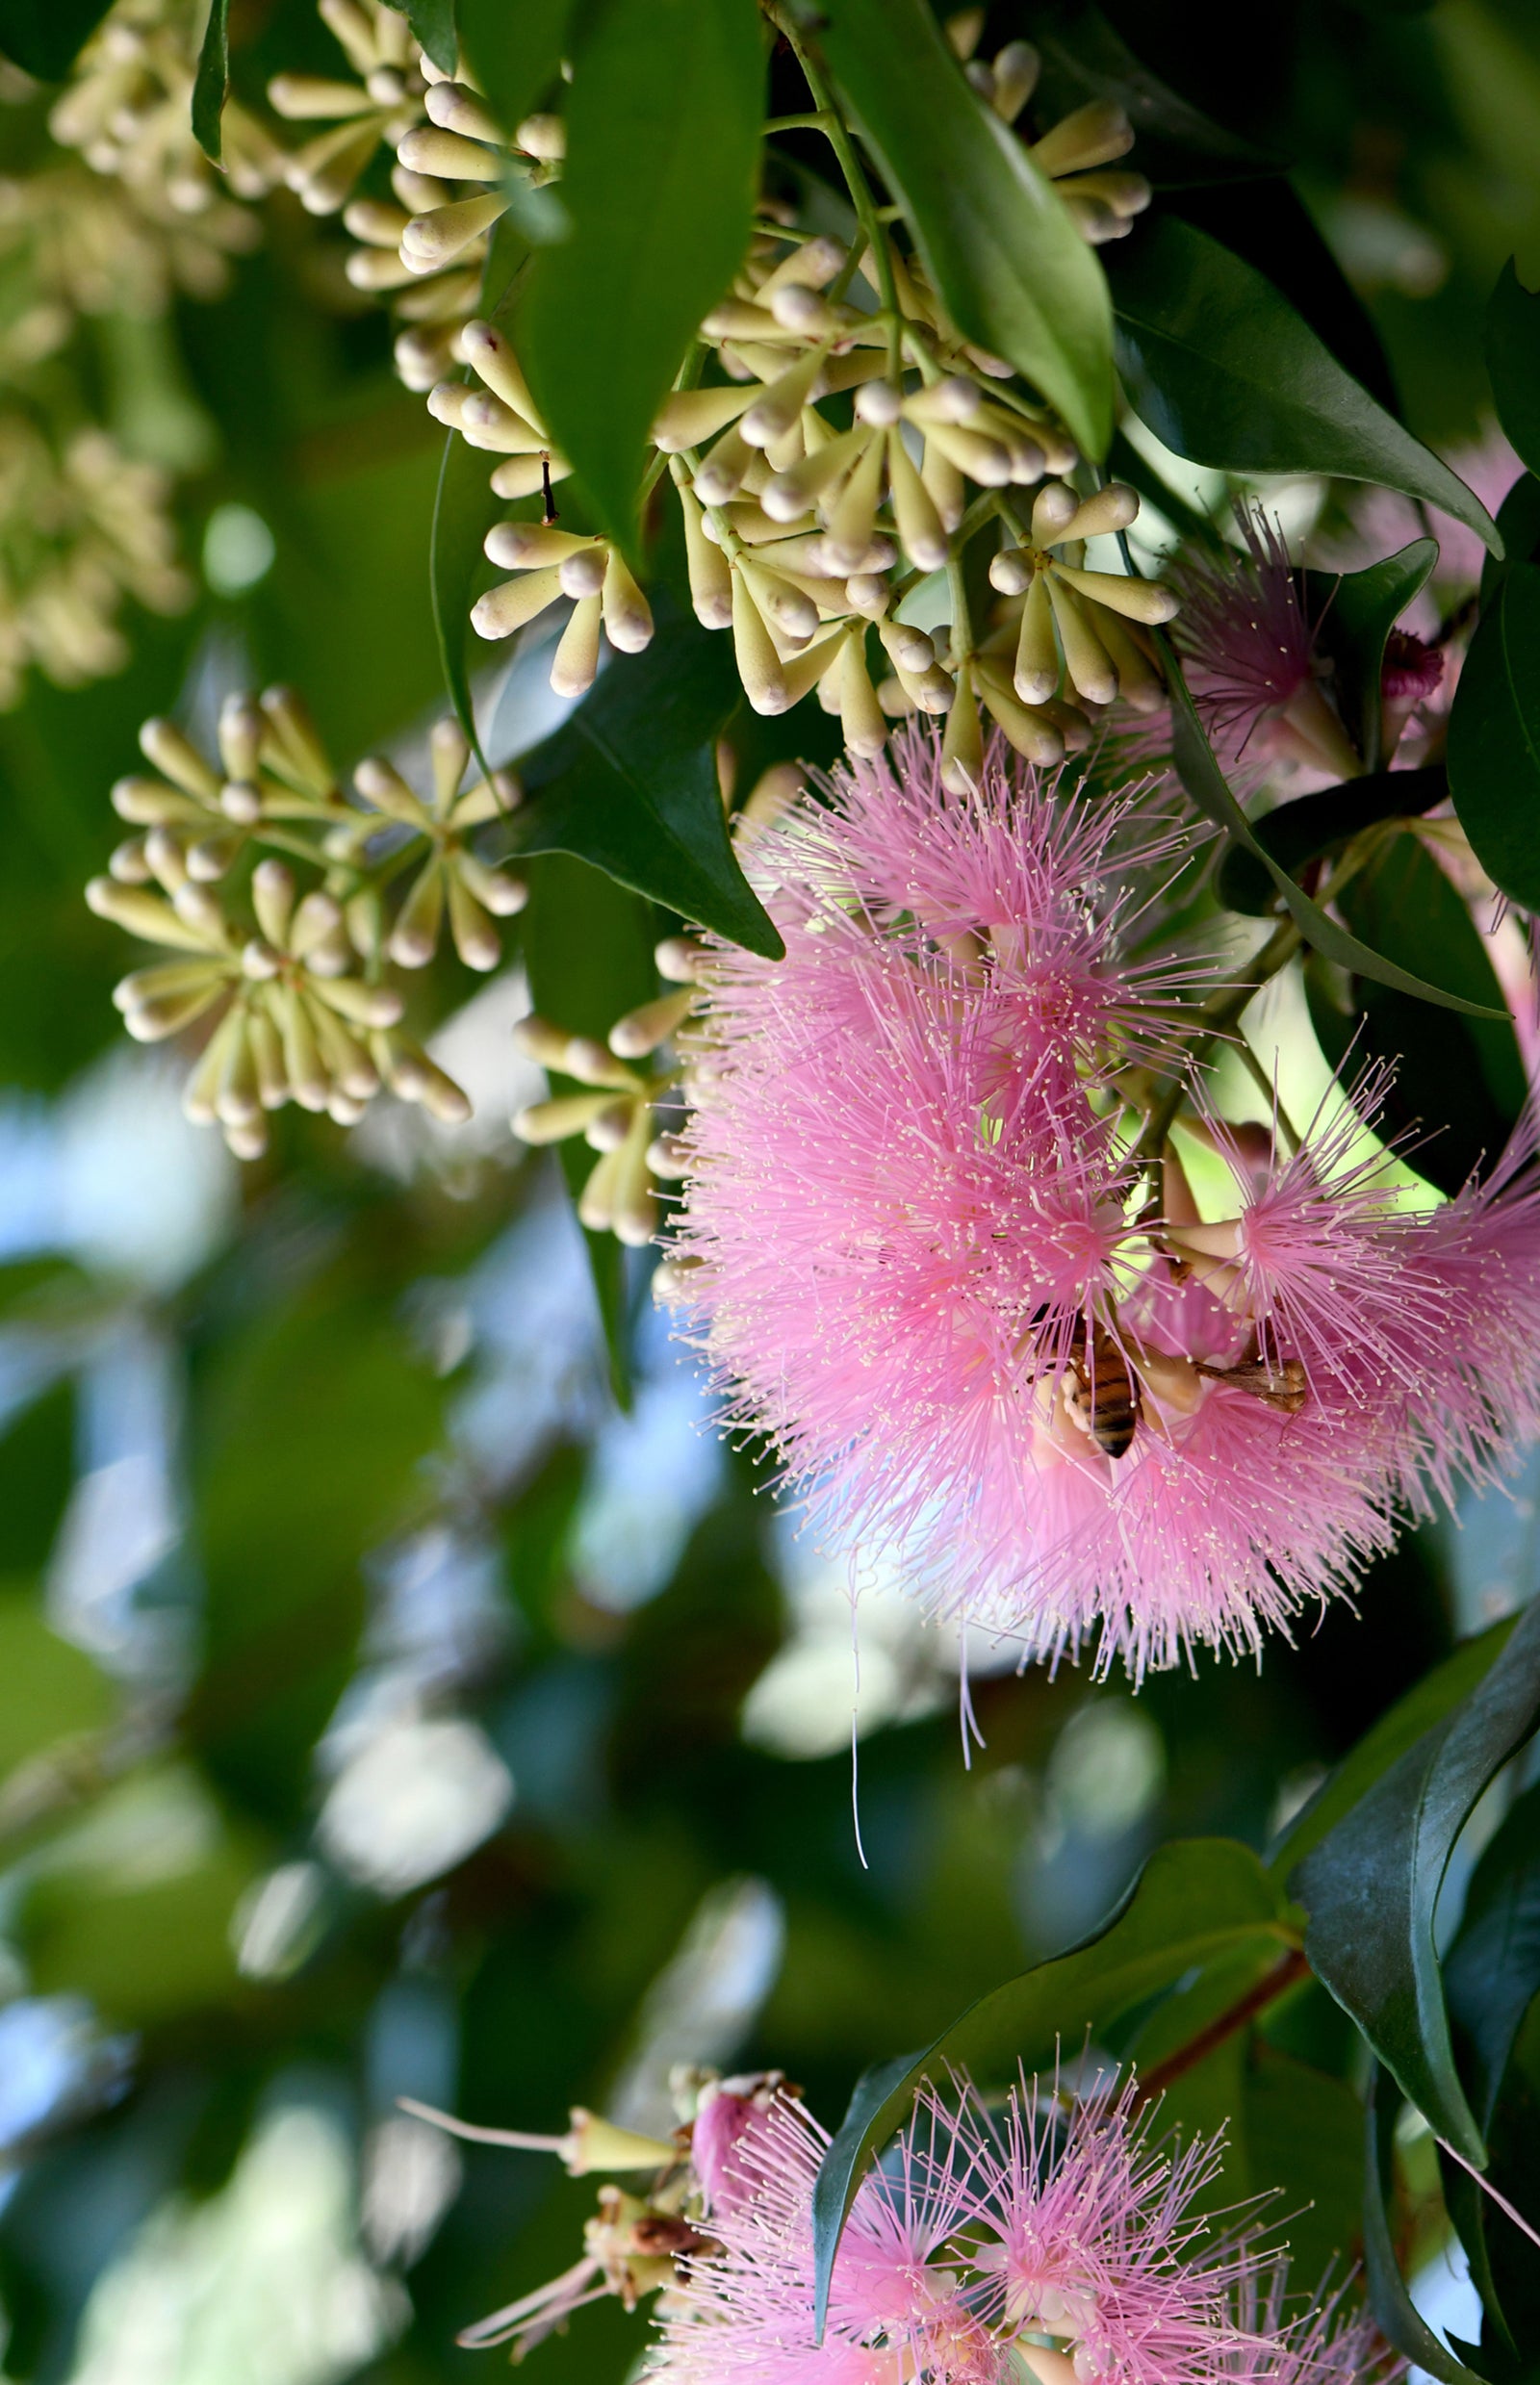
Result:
1051,2235
924,1265
1251,654
1333,2341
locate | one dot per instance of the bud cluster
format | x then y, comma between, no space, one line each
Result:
617,1113
285,980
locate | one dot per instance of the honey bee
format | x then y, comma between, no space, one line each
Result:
1101,1389
1284,1386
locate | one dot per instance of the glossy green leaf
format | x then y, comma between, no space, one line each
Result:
1222,369
1513,362
1309,827
630,784
1303,2133
1434,1697
433,28
211,83
1356,612
1398,2317
1495,738
1196,1901
1492,1971
1372,1885
44,35
1205,782
662,168
1519,529
1001,249
1461,1082
587,944
514,51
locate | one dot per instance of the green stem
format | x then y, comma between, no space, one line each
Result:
830,122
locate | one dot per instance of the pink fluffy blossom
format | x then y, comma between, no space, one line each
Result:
1039,2233
1251,654
912,1221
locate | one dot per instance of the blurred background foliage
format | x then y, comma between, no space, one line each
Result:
384,1710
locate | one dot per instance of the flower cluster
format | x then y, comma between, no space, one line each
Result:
286,989
82,526
938,1244
127,109
1038,2232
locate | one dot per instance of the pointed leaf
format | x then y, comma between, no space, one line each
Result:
629,782
1222,369
1309,827
432,23
1399,2320
1495,738
1205,782
662,166
1356,612
1491,1972
1372,1885
1434,1697
1195,1901
1513,361
212,82
999,246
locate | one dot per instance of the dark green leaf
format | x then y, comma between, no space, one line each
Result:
1492,1971
1196,1901
44,37
1311,825
1002,251
1513,362
662,166
1519,529
1495,738
212,80
1356,612
1434,1697
1460,1082
1205,782
1303,2133
1222,369
1372,1885
1086,58
1399,2320
630,782
514,51
588,947
432,23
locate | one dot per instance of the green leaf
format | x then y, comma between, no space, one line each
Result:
514,51
1460,1082
1513,361
1303,2133
997,243
629,782
1372,1885
432,23
1356,612
1434,1697
1309,827
1205,782
1495,738
661,173
587,944
1399,2320
1492,1971
44,37
1519,529
210,84
1223,369
1196,1901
